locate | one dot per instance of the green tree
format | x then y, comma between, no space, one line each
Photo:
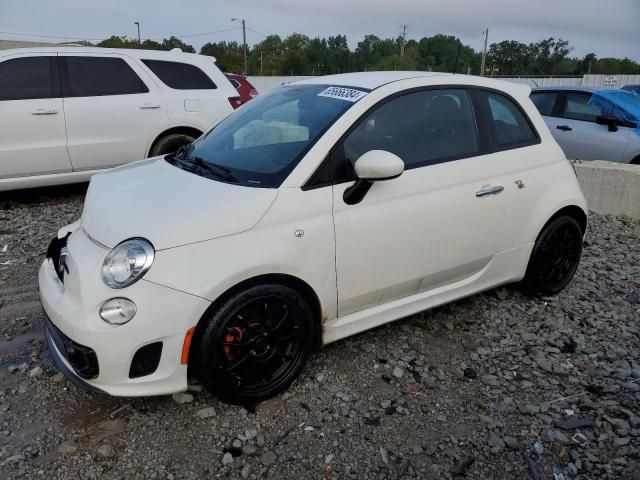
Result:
174,42
229,55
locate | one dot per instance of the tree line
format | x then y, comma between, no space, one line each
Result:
298,54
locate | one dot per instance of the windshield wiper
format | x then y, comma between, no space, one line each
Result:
217,170
177,155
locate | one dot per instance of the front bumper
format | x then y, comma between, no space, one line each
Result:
75,329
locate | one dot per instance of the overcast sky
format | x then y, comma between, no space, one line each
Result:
606,27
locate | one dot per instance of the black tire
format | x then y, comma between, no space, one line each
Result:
170,143
255,344
555,257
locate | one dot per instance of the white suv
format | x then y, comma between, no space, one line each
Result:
69,112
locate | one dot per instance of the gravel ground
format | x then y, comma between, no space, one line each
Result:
494,386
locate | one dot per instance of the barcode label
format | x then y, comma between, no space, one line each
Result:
348,94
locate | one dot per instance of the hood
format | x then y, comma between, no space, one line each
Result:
168,206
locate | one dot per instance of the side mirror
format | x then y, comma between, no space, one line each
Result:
608,120
373,166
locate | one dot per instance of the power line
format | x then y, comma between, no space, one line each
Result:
255,31
80,37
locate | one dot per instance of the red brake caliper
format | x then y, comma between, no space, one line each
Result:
234,336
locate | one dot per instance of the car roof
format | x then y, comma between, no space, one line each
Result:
373,80
573,88
176,54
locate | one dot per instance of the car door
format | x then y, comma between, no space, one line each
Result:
33,139
581,137
113,110
439,222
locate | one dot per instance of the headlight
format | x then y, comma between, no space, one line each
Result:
127,263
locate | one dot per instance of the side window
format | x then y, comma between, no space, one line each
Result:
26,78
507,123
544,102
421,128
580,107
100,76
180,76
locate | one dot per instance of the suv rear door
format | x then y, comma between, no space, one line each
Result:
33,140
113,109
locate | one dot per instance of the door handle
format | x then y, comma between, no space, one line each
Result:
149,106
44,111
488,190
565,128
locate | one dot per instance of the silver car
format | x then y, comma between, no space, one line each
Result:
592,123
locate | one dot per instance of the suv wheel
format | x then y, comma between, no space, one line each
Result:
170,143
255,344
555,257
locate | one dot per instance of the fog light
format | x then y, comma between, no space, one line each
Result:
118,311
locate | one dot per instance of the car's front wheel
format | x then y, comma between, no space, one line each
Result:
255,344
555,257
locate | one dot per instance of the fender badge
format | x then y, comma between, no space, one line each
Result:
299,233
520,184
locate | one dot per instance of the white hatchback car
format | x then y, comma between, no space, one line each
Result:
321,209
70,112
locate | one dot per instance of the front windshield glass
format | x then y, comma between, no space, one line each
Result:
260,144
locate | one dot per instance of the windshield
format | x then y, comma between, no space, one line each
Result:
626,104
261,143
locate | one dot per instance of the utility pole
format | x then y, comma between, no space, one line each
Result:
260,62
244,41
138,24
484,51
404,36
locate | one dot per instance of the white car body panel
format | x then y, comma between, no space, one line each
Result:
87,134
22,152
414,242
169,220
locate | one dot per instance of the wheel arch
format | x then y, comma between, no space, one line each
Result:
635,161
572,211
182,129
307,292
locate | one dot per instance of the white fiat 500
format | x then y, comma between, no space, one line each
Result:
321,209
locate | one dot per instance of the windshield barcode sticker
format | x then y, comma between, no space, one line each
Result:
348,94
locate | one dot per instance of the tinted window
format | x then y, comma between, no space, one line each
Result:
507,123
26,78
180,76
544,102
580,107
421,128
99,76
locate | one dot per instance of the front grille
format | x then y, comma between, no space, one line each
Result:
146,360
53,252
83,359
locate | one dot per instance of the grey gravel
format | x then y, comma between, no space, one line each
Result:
556,382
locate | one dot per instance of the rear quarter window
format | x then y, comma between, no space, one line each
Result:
180,76
508,125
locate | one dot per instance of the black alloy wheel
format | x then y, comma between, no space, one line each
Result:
256,344
555,257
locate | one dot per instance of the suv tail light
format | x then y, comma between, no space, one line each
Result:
253,93
235,102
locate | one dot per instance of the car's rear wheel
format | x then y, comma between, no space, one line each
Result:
170,143
255,344
555,257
